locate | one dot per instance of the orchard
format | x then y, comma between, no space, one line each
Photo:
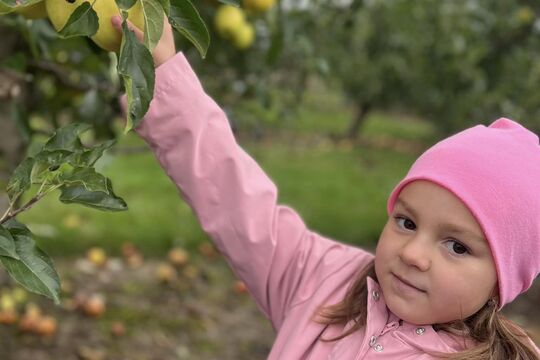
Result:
297,80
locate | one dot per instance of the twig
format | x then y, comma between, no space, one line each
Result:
10,215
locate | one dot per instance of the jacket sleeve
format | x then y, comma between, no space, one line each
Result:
267,245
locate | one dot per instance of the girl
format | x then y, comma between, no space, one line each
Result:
461,241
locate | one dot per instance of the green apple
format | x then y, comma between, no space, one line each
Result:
107,37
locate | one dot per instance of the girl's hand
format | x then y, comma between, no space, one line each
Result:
164,50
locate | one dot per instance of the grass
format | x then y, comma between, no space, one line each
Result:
339,192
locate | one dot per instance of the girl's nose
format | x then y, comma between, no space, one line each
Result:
416,253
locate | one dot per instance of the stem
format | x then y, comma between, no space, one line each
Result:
10,215
7,212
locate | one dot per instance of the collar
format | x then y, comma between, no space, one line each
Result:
380,320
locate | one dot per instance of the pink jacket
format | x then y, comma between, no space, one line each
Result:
289,270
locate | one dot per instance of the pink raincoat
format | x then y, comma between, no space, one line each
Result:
288,269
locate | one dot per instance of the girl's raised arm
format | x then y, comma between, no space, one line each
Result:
267,245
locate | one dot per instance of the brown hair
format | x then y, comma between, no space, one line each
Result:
496,337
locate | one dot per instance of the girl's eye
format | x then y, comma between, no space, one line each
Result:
456,247
407,223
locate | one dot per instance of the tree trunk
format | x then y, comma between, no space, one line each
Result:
360,114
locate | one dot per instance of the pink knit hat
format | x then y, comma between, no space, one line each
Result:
495,171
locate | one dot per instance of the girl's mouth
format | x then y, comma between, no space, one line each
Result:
403,286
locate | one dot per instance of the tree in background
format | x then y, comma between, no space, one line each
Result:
453,63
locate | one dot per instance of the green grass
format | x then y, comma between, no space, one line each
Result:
340,193
404,128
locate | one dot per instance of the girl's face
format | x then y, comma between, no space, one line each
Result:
432,261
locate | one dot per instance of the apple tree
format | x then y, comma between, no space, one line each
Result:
452,63
62,67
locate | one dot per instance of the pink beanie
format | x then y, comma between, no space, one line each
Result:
495,171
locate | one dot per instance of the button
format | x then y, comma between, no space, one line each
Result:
375,294
372,340
378,348
420,331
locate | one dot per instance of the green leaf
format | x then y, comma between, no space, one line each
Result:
153,22
125,4
40,173
89,157
54,166
137,69
20,180
87,187
82,22
67,138
7,6
50,164
17,228
87,177
166,6
34,269
96,199
7,244
53,157
81,158
185,18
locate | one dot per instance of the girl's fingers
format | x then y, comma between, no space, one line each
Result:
117,23
165,48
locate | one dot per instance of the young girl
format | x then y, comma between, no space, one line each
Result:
461,241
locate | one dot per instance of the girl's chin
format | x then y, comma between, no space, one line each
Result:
407,312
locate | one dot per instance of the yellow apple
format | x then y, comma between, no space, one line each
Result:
72,221
8,317
524,15
165,273
118,329
46,326
32,310
208,250
7,302
259,5
228,18
178,256
34,11
94,306
30,319
107,37
239,287
19,295
97,256
244,36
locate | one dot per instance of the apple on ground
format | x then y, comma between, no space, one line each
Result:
178,256
97,256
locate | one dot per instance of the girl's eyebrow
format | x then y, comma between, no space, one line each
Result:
451,227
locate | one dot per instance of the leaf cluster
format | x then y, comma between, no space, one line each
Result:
63,163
